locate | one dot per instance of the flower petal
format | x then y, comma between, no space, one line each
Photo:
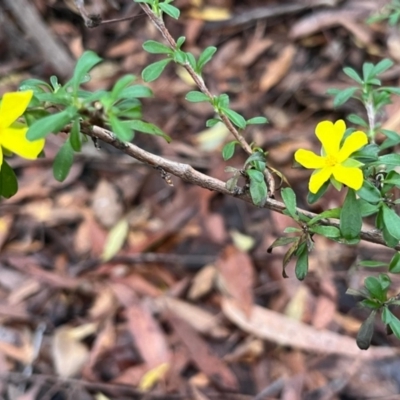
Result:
12,106
14,139
351,177
330,135
318,178
1,157
352,143
308,159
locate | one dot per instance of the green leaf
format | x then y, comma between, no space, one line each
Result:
205,57
369,192
8,181
369,303
255,175
153,47
53,123
153,71
327,231
351,73
235,117
85,63
115,239
314,197
212,122
393,90
34,84
375,289
170,10
192,61
332,213
258,188
180,41
301,268
147,127
393,139
367,209
372,264
391,221
282,241
196,97
221,101
229,150
385,281
121,130
394,266
180,57
368,71
366,331
75,135
136,91
382,66
357,120
121,84
63,161
395,323
257,121
54,83
256,156
389,159
343,96
350,217
289,198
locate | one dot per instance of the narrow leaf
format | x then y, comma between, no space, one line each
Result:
63,161
350,217
289,198
8,181
85,63
153,71
51,124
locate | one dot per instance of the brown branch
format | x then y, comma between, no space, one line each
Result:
189,174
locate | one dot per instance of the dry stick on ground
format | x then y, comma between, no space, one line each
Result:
53,51
189,174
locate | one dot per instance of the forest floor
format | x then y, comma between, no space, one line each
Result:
192,306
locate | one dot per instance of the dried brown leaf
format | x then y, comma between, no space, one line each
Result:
69,353
210,364
106,204
200,320
277,69
236,277
277,328
203,282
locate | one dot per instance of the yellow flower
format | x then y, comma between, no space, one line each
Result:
13,133
335,160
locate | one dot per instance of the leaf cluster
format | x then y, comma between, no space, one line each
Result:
57,107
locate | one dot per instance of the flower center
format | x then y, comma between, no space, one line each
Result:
330,161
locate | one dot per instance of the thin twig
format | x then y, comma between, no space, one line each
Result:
189,174
159,23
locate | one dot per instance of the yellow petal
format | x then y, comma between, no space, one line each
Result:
12,106
351,177
14,139
330,135
318,178
353,143
308,159
1,157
